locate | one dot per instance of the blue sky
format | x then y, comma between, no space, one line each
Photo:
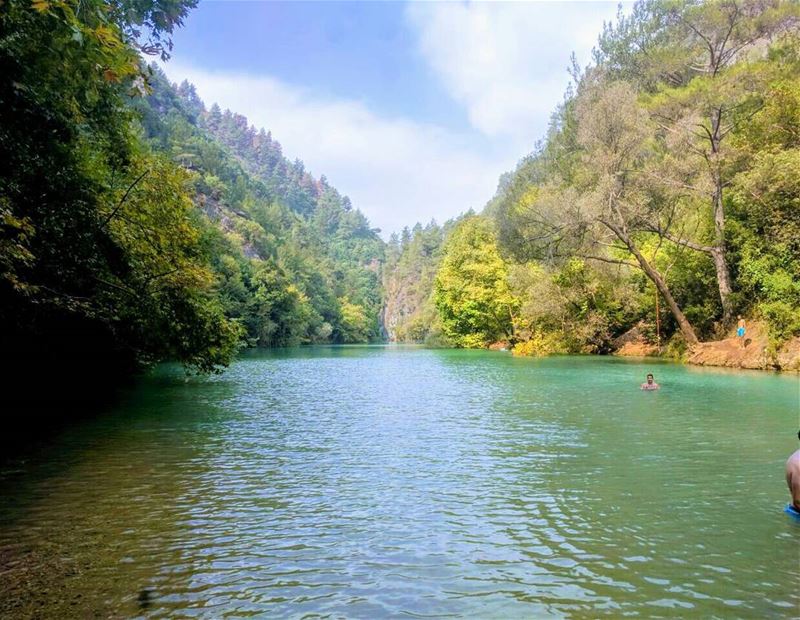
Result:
411,109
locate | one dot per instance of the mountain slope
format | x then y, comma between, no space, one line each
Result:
297,264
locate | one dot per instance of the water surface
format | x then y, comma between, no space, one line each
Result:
398,481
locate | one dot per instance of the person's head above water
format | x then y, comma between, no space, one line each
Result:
650,384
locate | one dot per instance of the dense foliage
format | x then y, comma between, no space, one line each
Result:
668,181
106,262
100,257
296,262
471,289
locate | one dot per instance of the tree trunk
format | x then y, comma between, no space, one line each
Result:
724,283
686,328
683,323
718,254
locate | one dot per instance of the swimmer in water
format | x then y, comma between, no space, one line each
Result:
793,477
650,384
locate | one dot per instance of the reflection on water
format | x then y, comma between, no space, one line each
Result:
375,481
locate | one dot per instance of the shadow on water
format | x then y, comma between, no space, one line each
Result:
36,411
44,405
110,491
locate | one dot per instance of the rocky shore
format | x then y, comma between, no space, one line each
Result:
756,354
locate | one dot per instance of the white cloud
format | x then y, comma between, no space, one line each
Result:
506,63
396,171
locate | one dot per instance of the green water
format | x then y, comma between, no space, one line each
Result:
390,481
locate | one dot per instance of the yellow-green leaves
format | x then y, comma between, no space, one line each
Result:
472,294
355,323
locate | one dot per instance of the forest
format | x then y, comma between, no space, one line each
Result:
139,225
665,197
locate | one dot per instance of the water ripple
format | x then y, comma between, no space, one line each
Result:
374,482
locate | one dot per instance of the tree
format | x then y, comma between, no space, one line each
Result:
608,205
102,263
355,324
706,86
471,289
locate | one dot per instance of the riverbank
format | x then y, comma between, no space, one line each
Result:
756,354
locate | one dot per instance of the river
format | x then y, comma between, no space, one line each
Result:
399,481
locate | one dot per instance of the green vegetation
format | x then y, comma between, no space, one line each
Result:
295,262
669,177
471,289
101,260
137,226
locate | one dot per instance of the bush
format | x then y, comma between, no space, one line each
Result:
540,345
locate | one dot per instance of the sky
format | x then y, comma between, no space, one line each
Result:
413,110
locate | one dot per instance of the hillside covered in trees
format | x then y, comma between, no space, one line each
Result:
138,226
665,198
296,263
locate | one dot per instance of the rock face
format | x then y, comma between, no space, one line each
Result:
634,343
788,357
227,219
409,313
398,306
755,353
408,309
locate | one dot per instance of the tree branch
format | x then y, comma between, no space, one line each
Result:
123,199
613,261
677,240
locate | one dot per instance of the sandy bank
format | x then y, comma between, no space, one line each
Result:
728,352
755,353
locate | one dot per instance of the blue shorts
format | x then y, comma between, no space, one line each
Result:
740,332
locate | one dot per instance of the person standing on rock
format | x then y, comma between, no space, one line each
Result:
740,331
